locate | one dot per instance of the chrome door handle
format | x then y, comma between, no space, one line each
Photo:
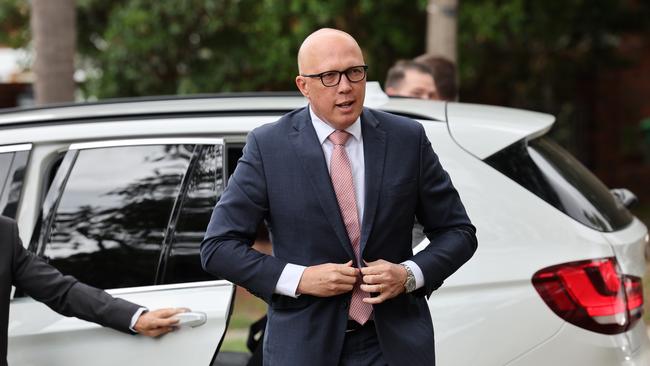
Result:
191,319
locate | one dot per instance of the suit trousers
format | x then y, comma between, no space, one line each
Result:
361,348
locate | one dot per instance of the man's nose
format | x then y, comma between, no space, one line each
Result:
344,85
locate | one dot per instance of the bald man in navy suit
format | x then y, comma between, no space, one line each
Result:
338,186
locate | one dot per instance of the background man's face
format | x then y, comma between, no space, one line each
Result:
415,84
340,105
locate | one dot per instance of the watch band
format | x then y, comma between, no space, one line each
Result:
409,284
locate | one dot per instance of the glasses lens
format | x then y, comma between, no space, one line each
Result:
356,73
330,78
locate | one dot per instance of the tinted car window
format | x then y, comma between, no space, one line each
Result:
109,223
544,168
205,188
5,164
235,152
12,173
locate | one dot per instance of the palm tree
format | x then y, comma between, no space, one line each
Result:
442,28
53,25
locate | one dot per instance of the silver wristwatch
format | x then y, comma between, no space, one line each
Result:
409,285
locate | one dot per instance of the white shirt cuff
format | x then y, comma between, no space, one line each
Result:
135,317
289,279
417,272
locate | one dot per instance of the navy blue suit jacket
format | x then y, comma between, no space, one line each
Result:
282,178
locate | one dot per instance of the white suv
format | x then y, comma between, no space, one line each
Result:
119,194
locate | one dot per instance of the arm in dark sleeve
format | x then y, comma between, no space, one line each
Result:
66,295
442,214
226,249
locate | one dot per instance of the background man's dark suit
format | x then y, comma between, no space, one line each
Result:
283,178
63,294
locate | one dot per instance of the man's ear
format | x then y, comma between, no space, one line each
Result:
301,83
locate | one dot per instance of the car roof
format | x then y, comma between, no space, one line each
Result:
271,103
482,130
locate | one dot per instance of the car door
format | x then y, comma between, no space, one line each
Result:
128,216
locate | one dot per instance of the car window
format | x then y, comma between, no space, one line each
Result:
205,186
234,153
12,173
110,220
5,165
550,172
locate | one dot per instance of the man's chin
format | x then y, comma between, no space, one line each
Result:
341,123
346,118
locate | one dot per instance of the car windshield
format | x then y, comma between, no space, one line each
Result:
550,172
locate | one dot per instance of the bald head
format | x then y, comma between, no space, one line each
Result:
325,43
337,55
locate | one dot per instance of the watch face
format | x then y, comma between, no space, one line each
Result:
410,284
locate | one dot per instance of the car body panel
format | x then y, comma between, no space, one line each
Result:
39,336
629,245
484,295
575,346
483,130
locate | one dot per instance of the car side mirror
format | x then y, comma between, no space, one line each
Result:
625,197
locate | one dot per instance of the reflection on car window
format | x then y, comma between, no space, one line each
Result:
12,173
550,172
5,165
109,224
205,188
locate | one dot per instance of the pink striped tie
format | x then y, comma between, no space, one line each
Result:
341,174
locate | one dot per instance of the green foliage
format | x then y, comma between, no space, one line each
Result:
14,23
148,47
144,47
543,55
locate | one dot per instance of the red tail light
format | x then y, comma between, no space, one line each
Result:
592,294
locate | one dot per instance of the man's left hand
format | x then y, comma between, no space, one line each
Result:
383,277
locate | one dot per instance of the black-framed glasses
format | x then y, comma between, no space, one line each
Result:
332,78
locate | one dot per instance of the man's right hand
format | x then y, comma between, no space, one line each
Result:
158,322
329,279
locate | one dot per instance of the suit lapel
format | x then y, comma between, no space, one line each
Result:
310,153
374,152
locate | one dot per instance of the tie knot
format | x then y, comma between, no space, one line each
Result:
339,137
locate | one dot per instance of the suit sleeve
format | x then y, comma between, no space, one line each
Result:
442,214
66,295
226,249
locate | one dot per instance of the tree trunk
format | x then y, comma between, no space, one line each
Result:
441,28
53,25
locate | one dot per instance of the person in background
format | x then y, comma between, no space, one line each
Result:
410,79
66,295
444,76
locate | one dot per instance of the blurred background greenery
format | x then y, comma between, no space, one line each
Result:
547,56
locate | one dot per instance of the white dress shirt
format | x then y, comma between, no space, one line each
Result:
135,317
291,274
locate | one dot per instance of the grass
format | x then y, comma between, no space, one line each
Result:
234,345
247,309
